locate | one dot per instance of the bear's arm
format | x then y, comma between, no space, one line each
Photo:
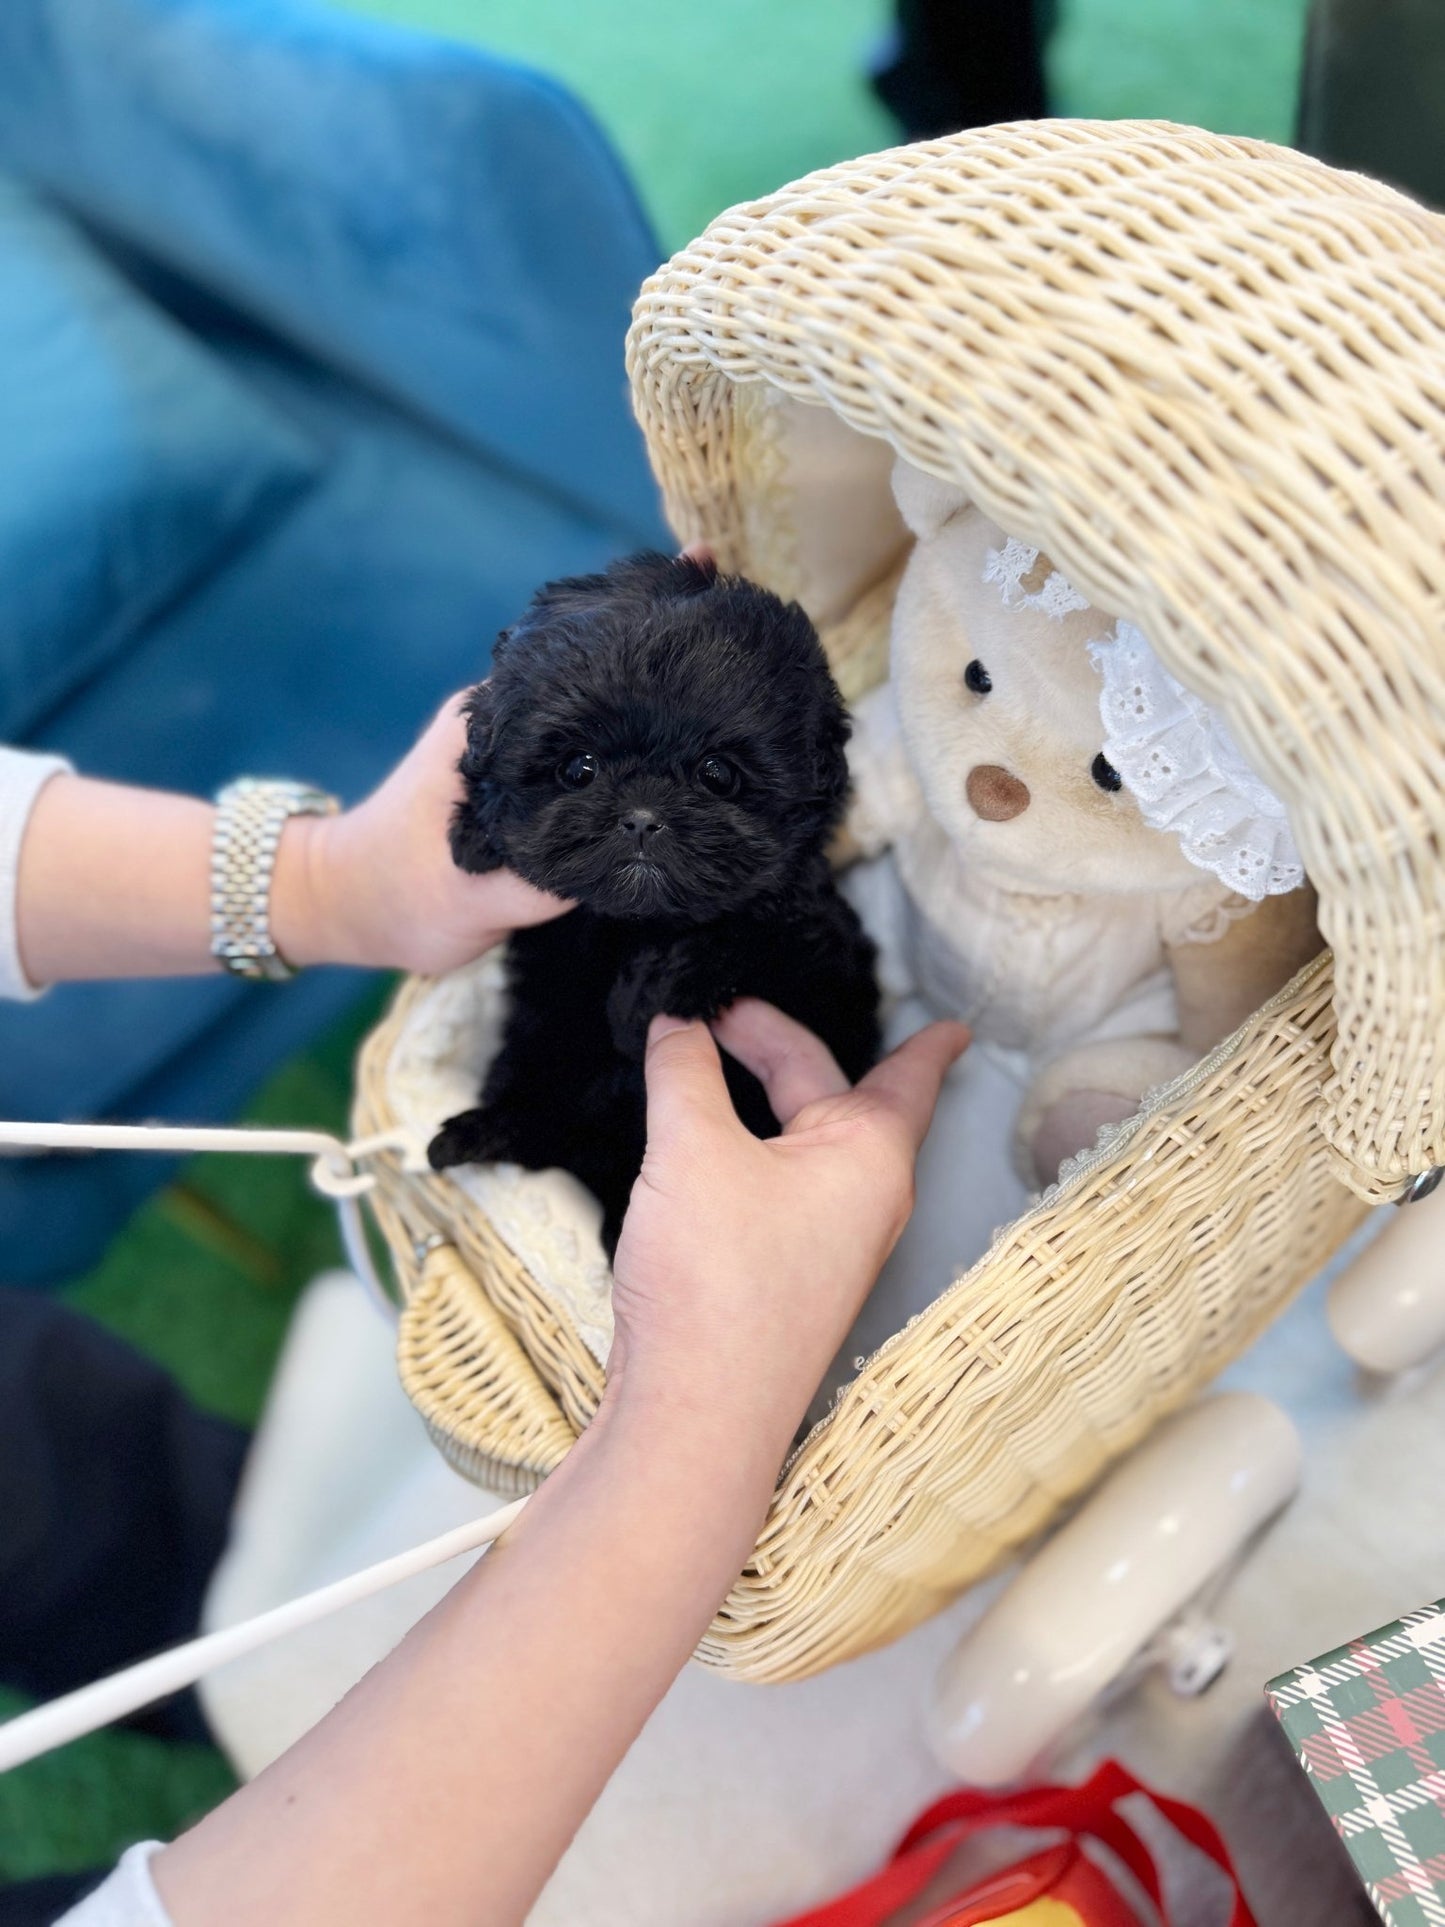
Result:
1220,984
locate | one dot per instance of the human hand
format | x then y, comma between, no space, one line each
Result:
743,1260
377,885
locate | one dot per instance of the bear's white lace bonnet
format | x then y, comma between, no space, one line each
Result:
1175,754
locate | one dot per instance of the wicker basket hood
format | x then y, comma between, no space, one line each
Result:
1206,375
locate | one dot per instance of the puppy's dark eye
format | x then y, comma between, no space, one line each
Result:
977,678
716,776
1105,774
577,771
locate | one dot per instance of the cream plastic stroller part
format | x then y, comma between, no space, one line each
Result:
1159,1529
1203,376
1388,1309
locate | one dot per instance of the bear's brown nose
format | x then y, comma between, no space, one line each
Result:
996,794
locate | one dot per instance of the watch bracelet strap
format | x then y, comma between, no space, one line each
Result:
250,816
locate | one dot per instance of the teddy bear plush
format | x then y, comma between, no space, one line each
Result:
1092,876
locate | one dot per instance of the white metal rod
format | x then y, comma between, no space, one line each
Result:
168,1137
46,1727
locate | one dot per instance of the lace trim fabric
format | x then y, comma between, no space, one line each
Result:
1175,754
1206,920
1012,565
1187,773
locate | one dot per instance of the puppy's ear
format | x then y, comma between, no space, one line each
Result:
923,501
651,574
475,841
818,705
830,755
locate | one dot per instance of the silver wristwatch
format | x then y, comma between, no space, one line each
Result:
250,816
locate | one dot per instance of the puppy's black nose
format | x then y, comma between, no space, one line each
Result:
640,826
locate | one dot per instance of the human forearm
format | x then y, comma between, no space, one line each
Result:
445,1787
483,1741
114,882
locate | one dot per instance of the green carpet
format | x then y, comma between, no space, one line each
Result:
715,101
203,1278
1230,65
83,1806
709,102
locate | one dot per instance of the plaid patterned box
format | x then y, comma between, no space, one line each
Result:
1368,1723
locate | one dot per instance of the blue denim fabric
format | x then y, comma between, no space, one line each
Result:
130,459
445,224
422,260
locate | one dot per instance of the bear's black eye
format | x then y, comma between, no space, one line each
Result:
977,678
1105,774
577,771
717,776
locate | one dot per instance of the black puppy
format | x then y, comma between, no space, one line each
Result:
665,746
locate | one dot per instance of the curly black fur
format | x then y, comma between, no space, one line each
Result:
665,746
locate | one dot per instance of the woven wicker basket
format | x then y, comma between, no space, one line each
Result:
1206,375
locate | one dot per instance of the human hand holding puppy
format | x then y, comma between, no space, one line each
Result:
743,1260
377,885
115,881
741,1264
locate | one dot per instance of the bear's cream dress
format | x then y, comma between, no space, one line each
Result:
1031,974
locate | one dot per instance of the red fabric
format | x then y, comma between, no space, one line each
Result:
1062,1874
1088,1809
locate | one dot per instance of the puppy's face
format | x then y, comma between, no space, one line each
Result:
658,741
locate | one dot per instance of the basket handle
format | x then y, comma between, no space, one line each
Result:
28,1735
333,1173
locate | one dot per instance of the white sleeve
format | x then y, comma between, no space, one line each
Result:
22,777
127,1899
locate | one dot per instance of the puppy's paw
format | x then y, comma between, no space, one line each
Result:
631,1006
671,980
699,994
697,982
472,1137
